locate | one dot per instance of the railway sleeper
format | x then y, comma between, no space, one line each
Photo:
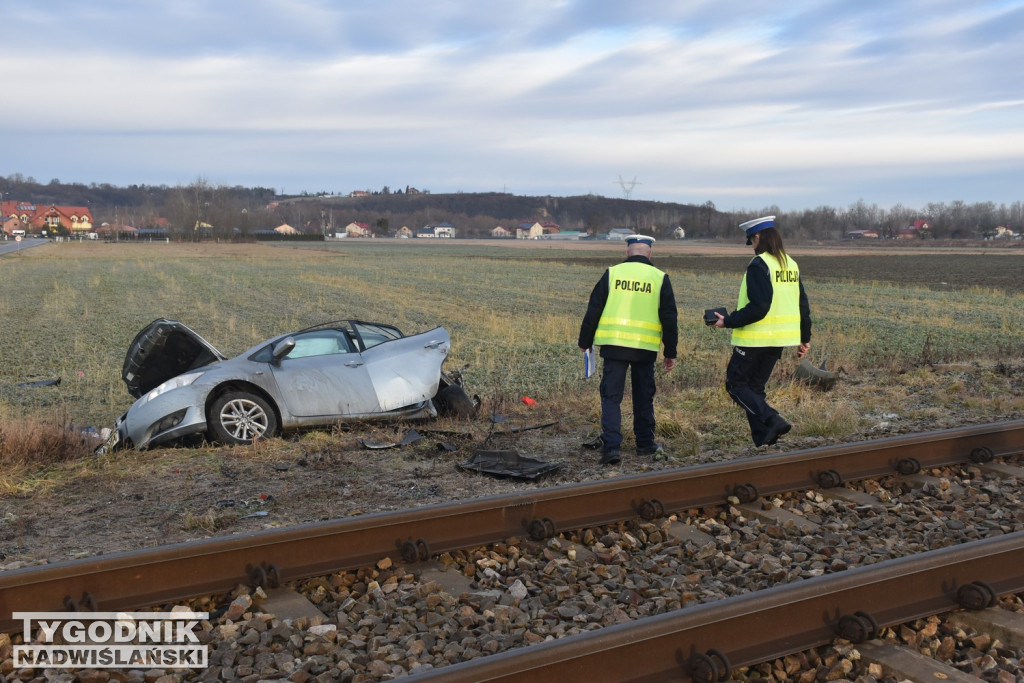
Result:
906,664
1003,624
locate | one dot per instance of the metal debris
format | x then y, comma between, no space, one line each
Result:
411,436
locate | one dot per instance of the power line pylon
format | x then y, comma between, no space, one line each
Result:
627,187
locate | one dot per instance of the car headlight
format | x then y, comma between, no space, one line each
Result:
174,383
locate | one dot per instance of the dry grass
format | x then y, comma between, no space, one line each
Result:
31,451
209,521
32,442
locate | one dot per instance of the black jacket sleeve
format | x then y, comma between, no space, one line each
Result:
595,307
759,293
805,316
669,317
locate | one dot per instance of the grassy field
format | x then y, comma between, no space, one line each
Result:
70,310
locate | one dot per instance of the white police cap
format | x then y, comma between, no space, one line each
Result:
639,239
752,227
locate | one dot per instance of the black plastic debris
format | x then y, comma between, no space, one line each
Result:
594,443
507,464
40,383
816,377
410,436
526,428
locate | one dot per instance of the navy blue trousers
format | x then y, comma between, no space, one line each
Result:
745,380
613,387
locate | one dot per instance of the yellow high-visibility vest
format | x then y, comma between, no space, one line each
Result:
781,327
630,316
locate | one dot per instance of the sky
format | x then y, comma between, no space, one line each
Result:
745,104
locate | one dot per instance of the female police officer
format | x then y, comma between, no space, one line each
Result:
772,313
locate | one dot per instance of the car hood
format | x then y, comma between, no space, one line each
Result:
162,350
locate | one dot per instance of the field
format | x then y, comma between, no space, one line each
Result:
70,310
925,339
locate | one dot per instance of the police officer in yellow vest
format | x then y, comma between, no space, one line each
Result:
631,315
772,313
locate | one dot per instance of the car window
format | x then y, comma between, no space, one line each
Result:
319,343
371,335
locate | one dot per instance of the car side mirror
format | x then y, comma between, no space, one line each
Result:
283,348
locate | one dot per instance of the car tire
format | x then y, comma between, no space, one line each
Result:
453,401
239,417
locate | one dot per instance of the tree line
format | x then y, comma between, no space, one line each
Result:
202,209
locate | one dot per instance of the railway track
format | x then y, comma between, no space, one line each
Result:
704,643
166,574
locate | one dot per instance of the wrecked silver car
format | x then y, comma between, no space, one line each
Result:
333,372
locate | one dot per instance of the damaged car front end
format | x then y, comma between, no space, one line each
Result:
341,371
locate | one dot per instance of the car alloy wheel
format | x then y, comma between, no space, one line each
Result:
239,417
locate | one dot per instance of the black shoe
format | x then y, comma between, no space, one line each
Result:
611,457
651,450
777,426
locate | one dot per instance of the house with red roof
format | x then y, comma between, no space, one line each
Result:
358,229
49,218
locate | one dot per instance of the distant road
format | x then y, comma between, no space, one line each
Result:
8,246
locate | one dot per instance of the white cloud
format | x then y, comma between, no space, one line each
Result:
813,102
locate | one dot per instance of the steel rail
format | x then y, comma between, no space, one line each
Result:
760,626
178,571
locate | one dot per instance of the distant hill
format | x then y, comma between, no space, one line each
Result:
472,214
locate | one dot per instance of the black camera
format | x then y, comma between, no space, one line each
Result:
709,315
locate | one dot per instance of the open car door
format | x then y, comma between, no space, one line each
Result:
407,371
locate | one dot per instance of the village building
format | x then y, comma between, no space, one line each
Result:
501,232
48,219
529,230
1001,232
13,225
357,229
117,231
620,233
563,235
444,230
